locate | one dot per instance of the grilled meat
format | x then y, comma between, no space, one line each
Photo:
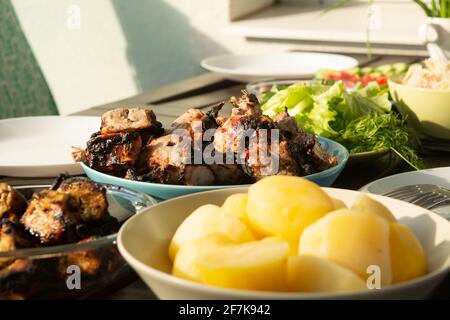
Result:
91,262
15,274
126,120
52,216
116,147
248,134
12,237
169,158
259,146
90,197
108,225
308,152
113,153
73,209
177,157
16,280
11,201
226,174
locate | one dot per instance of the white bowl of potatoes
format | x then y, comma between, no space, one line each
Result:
287,238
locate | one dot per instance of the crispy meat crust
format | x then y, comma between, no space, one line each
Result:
51,216
11,201
123,120
90,197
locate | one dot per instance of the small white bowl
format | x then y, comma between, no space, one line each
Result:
143,241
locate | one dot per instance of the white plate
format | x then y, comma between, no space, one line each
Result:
41,146
287,65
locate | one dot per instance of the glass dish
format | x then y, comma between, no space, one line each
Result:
73,270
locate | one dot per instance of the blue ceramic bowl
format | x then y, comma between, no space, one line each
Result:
166,191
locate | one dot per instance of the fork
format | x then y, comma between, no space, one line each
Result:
424,195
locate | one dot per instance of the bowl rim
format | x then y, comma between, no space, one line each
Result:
393,82
324,173
167,278
58,250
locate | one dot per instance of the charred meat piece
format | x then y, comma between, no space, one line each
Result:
196,122
91,262
306,149
164,158
12,237
11,201
170,158
90,197
246,120
109,225
116,147
113,152
226,174
249,134
125,120
16,280
15,274
177,158
198,175
52,216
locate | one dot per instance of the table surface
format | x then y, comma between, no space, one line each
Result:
202,91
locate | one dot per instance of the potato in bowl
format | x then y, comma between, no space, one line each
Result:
334,247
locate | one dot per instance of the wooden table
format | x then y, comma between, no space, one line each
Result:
204,90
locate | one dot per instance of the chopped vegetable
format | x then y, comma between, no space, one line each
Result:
364,76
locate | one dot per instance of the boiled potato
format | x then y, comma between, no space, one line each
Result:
365,203
284,206
236,205
208,219
309,273
338,204
184,265
407,255
355,240
256,265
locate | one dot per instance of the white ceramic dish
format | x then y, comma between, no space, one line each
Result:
285,65
143,241
439,176
41,146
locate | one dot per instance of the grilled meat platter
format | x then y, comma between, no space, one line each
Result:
73,210
132,144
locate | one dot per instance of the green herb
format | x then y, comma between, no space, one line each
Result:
381,132
361,119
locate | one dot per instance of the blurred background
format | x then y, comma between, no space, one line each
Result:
83,53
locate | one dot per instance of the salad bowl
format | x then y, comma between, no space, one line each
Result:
427,109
